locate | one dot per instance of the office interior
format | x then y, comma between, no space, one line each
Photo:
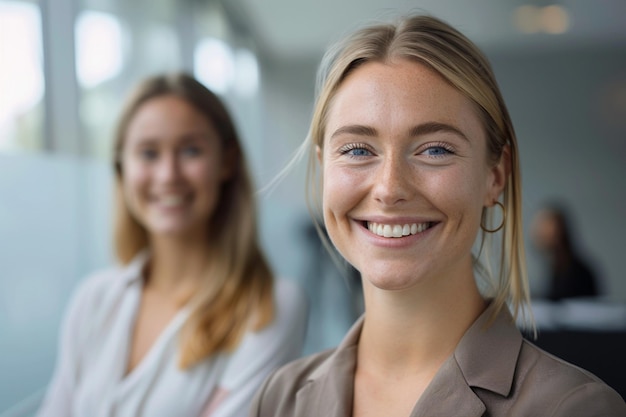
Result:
66,66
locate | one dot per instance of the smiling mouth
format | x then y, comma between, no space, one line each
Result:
397,230
172,200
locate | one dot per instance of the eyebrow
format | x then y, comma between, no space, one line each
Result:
191,136
419,130
434,127
357,130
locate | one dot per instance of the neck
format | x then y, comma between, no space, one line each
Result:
418,328
177,266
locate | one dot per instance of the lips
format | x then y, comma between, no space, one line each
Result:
397,230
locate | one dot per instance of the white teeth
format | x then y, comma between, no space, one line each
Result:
396,230
171,200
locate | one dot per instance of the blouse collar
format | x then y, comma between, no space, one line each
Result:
133,271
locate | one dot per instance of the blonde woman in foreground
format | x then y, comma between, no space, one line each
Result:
417,152
192,321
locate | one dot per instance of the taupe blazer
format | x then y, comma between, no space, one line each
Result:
492,372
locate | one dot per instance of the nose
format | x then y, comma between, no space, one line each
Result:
168,168
393,181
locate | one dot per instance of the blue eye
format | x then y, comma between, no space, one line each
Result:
438,151
359,152
355,150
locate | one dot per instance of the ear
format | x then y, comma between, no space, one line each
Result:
318,152
498,177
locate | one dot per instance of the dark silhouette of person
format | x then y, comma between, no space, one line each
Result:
570,274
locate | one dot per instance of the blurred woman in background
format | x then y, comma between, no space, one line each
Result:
570,276
192,320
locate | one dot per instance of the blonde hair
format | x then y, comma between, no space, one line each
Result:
238,291
435,44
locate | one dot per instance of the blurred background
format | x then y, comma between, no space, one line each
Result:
66,65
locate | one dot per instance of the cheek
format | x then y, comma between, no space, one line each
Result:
340,188
134,182
462,192
206,175
134,190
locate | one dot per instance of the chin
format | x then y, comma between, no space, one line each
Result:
172,231
393,282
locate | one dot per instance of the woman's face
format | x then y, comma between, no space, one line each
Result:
405,175
173,166
545,231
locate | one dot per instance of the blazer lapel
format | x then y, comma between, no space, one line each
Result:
487,354
331,394
485,358
449,395
330,390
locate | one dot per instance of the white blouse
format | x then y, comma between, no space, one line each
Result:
89,379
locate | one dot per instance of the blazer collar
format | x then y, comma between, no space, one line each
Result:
448,394
485,357
487,354
330,387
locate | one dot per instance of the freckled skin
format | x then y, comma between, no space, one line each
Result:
172,149
399,177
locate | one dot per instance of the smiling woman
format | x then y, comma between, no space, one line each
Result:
416,149
192,320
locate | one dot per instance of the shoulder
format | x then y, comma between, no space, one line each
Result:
563,389
278,393
96,285
81,314
534,363
298,372
94,294
276,343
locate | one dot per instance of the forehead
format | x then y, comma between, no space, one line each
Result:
166,115
393,94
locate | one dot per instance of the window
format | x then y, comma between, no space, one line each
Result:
21,77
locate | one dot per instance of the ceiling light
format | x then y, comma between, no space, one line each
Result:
555,19
527,18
